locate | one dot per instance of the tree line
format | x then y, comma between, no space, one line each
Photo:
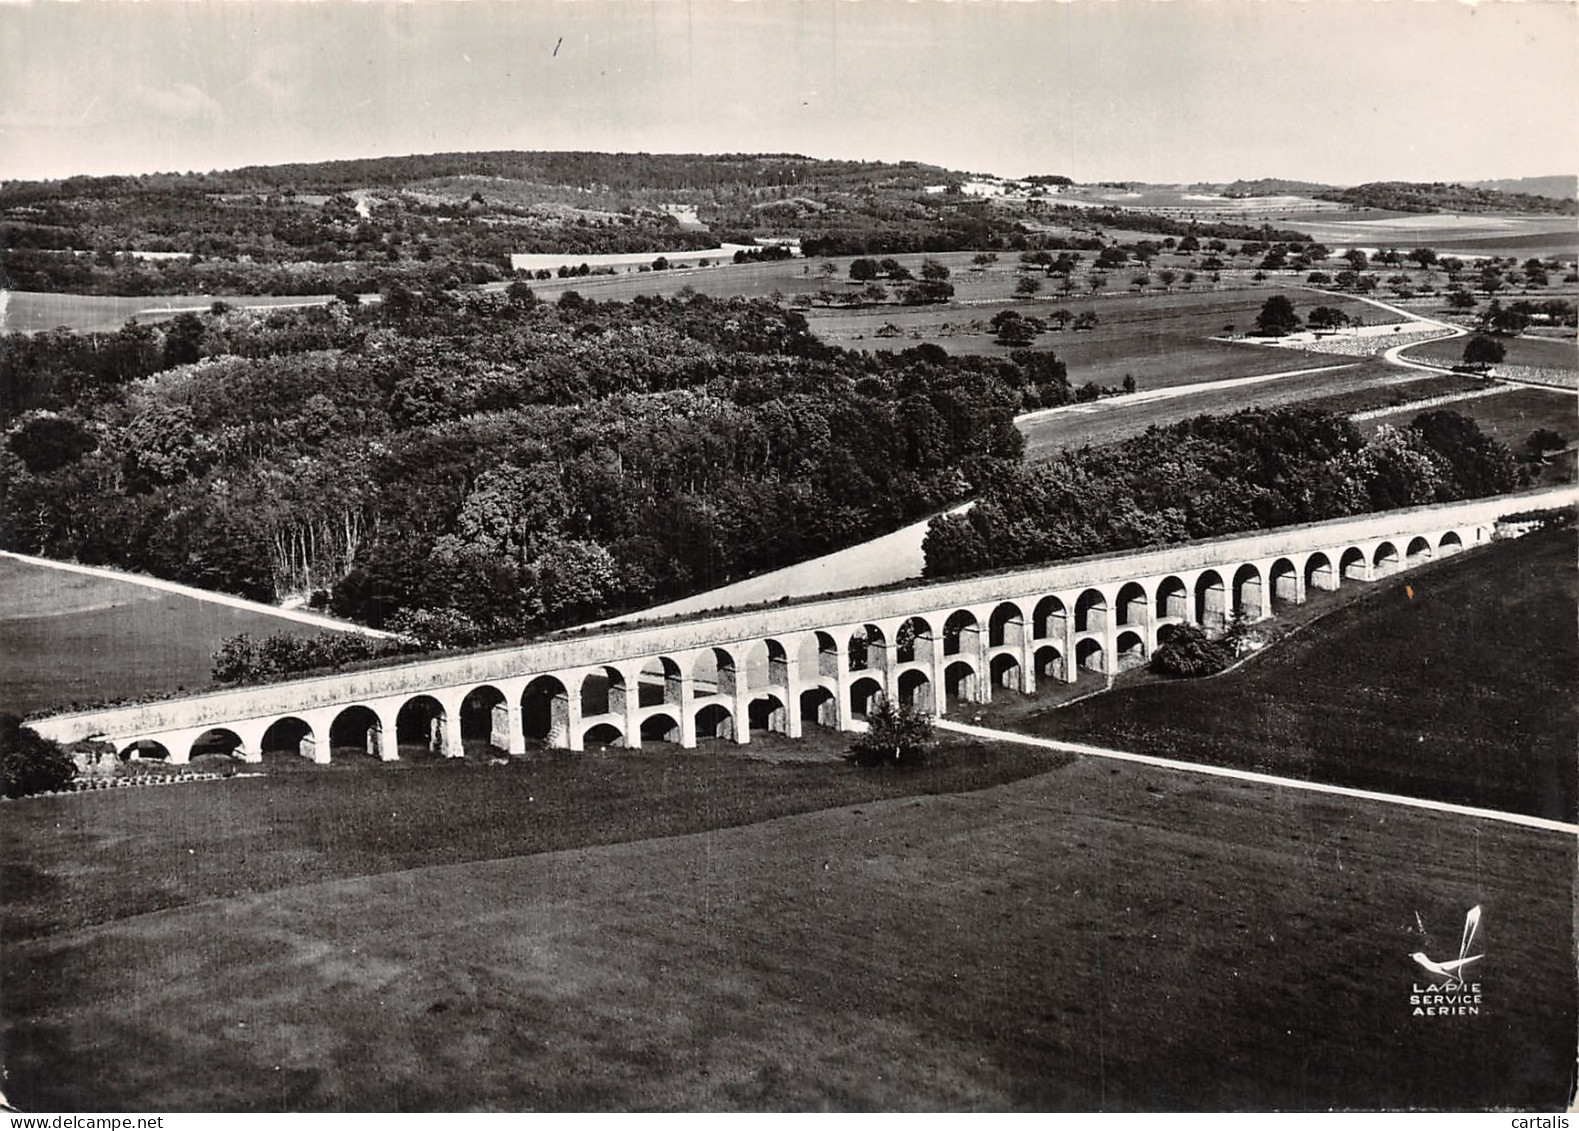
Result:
1214,475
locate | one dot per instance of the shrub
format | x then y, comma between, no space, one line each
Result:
30,763
898,736
1187,651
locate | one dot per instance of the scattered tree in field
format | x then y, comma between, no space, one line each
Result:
895,736
1424,256
1320,278
1029,285
984,258
1167,277
1327,318
933,271
1086,320
1358,260
661,263
30,763
1482,352
875,292
1061,316
1277,317
1461,300
1129,383
863,270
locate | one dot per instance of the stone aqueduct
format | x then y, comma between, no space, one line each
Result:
817,663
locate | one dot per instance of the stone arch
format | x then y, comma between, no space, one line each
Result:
1132,605
867,649
1089,655
603,734
961,633
714,720
1049,662
1005,671
1130,649
716,671
485,719
1006,626
768,713
419,725
865,694
1283,583
914,640
1353,565
1091,611
818,652
1319,572
289,735
545,711
1048,619
144,750
1385,560
1211,600
216,742
660,727
1249,592
915,690
819,707
1172,599
358,730
960,684
602,692
1451,543
1419,551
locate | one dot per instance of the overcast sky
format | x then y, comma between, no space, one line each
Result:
1340,91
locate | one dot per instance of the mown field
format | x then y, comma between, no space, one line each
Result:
1509,416
1089,938
31,310
1457,681
68,638
1541,353
1116,418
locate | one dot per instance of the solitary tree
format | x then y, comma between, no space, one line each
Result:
1327,318
896,736
1482,352
1277,317
863,270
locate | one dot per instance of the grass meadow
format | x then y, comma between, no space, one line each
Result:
1539,353
67,637
1001,929
1457,681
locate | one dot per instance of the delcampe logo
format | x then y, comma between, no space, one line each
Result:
1450,993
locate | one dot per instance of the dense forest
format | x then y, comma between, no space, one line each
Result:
471,468
1215,475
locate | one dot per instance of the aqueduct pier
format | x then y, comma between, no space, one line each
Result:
817,663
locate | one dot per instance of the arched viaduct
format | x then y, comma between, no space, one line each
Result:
818,663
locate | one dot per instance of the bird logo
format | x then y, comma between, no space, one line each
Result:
1453,971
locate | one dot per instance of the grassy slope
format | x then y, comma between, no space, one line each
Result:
1542,353
70,637
1463,691
1093,938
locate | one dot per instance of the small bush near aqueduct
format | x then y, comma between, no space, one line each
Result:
1187,651
30,763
